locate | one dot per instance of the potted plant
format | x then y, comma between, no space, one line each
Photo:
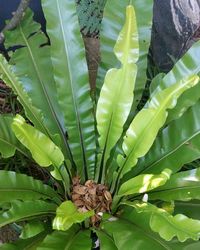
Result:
115,169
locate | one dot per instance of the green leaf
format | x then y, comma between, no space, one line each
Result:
71,77
141,220
188,65
72,239
166,225
24,210
182,186
116,96
67,214
15,186
8,76
129,236
176,145
106,241
113,20
30,63
28,244
187,100
190,208
43,150
144,183
8,142
144,128
32,229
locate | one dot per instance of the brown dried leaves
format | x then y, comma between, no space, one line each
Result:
91,196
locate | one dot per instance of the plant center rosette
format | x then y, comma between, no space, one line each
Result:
91,196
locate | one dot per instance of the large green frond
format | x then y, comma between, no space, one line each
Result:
14,186
24,210
188,65
116,96
182,186
31,63
72,239
113,20
167,225
176,145
71,77
43,150
145,126
9,77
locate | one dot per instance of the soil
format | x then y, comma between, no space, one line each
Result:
8,234
8,101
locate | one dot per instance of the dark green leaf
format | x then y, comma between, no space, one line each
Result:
141,220
28,244
106,241
15,186
8,141
166,225
71,77
34,114
32,65
72,239
23,210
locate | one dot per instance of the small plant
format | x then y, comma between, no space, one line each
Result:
113,177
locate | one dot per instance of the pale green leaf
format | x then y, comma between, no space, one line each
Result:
189,64
43,150
144,183
113,20
116,95
182,186
177,144
67,214
144,128
71,77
